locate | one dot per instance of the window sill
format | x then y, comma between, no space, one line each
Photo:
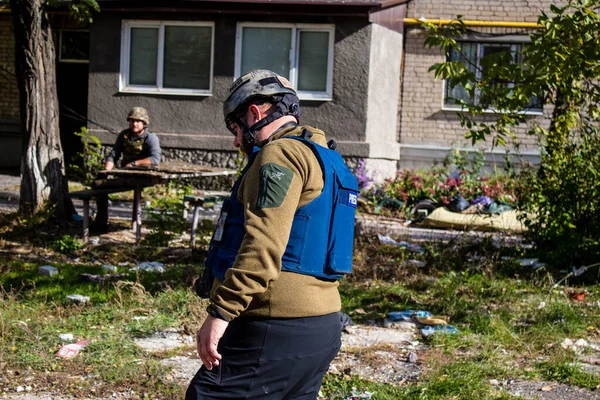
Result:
72,61
168,92
305,97
458,109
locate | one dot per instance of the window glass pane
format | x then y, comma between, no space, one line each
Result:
75,45
187,57
495,55
483,56
469,58
267,48
535,102
313,54
143,54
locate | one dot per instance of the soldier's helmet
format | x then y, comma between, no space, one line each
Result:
254,85
139,113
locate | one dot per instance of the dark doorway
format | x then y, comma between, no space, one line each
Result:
72,87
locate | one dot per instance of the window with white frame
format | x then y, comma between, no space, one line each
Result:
302,53
167,57
470,54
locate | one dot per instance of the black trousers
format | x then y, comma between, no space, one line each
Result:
270,359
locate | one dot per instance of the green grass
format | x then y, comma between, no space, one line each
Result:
458,380
506,333
495,303
34,313
565,370
337,387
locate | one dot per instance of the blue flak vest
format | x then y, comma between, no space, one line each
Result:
322,234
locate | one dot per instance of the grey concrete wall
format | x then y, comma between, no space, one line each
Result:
195,122
383,100
180,121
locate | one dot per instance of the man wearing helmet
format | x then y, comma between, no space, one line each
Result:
282,242
136,144
138,147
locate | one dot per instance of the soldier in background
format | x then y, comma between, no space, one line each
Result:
138,147
136,144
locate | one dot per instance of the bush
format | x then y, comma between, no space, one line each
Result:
90,160
564,198
67,244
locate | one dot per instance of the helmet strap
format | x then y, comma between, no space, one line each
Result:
285,105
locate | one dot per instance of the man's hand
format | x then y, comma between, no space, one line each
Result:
137,163
207,340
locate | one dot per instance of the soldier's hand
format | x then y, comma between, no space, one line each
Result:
207,340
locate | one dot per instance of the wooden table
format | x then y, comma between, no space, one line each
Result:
139,177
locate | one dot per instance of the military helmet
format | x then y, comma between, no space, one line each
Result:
259,83
139,113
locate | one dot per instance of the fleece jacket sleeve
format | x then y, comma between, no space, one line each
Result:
270,193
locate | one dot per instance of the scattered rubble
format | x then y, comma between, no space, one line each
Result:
164,341
149,266
48,270
77,299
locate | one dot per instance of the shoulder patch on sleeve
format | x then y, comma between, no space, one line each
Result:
275,181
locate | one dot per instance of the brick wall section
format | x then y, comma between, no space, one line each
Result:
422,120
487,10
9,98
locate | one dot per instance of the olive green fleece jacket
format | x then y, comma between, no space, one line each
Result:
255,285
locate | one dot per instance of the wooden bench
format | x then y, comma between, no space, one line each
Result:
86,195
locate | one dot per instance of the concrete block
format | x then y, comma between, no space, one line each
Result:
66,337
77,299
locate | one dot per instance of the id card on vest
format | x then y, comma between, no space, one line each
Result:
220,227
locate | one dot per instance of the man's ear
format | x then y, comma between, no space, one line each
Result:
256,113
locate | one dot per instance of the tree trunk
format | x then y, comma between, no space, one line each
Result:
42,163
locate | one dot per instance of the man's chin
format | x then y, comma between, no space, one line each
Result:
247,147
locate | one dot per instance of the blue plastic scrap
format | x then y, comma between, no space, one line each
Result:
483,200
407,315
433,329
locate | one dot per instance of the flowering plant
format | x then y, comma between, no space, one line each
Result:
363,176
441,184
